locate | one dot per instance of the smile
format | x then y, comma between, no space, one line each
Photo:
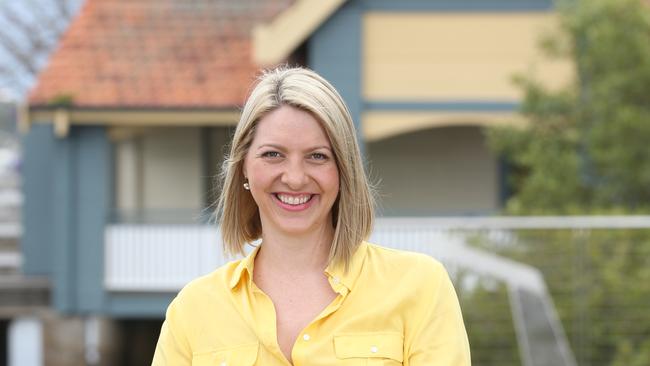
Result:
294,200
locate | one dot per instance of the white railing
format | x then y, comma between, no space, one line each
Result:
159,257
153,258
165,257
10,230
11,200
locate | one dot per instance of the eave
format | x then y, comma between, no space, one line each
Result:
64,117
274,42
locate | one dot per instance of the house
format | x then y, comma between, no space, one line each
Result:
127,126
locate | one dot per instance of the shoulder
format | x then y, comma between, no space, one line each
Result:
208,288
404,262
416,275
191,317
416,271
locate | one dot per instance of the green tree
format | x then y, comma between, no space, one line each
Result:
586,150
586,147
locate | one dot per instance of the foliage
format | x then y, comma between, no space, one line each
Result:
585,148
599,281
585,151
489,325
62,100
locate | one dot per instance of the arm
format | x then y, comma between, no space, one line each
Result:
438,336
173,348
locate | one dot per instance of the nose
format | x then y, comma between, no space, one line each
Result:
294,175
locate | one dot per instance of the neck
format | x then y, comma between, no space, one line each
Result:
291,253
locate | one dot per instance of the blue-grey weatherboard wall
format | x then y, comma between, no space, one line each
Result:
38,173
334,50
67,199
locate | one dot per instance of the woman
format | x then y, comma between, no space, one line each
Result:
313,292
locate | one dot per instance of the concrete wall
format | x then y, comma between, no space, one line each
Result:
81,341
171,169
439,171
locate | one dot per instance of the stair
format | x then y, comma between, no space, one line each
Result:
18,294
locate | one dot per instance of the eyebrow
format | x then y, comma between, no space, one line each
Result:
280,147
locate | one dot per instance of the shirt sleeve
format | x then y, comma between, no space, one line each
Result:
439,336
173,348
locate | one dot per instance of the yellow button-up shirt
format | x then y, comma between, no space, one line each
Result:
392,308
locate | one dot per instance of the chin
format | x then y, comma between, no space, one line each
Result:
299,227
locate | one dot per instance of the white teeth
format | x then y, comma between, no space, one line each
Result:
293,200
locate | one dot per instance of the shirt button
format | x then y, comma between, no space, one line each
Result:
374,349
306,337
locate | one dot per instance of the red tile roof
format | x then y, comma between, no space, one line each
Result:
156,54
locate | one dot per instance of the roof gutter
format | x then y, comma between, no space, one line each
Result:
63,117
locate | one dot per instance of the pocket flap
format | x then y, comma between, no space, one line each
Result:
367,345
244,355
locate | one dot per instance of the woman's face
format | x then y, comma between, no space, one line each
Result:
292,173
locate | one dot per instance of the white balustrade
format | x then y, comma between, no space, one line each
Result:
159,257
166,257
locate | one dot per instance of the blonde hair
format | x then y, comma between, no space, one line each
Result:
353,210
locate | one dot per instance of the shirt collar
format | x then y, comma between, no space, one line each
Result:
245,265
337,273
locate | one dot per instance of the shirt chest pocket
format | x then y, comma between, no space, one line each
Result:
370,348
245,355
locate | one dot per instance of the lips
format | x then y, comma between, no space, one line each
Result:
294,202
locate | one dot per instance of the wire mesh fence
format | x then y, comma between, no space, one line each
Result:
595,271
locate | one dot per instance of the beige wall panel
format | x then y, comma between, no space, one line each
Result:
219,140
440,171
172,174
127,174
413,56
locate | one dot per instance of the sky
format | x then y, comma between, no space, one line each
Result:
41,17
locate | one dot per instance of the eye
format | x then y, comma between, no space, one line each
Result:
270,154
319,156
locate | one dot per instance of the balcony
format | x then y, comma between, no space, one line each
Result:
159,258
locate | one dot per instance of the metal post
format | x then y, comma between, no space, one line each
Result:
25,342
